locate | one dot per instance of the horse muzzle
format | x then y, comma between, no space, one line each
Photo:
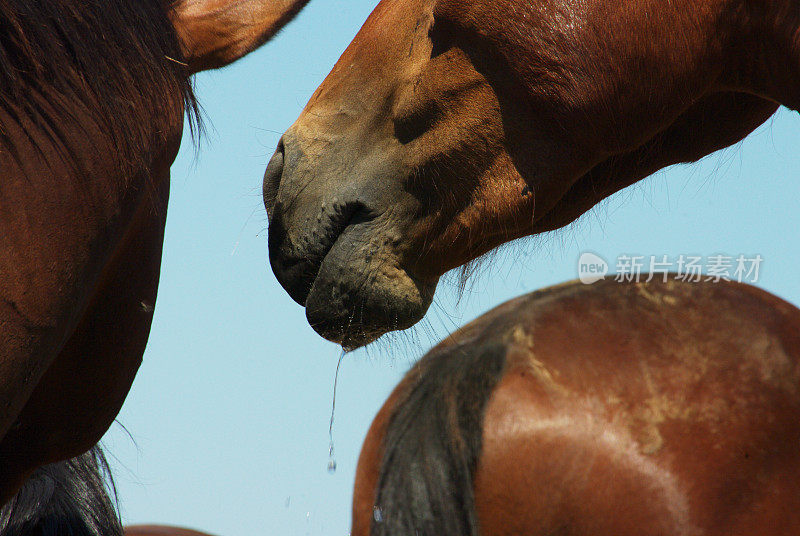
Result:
336,249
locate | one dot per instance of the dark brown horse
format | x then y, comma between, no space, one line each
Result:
606,410
449,127
72,498
92,100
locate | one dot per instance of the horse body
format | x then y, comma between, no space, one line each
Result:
638,409
449,127
91,116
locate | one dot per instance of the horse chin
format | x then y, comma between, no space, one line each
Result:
356,298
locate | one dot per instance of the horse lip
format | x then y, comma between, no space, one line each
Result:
348,341
365,309
306,265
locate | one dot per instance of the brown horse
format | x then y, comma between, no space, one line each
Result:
605,410
449,127
71,498
92,99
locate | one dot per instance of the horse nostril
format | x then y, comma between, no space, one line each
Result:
272,178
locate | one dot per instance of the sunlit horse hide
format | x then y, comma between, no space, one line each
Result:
449,127
606,410
93,95
73,498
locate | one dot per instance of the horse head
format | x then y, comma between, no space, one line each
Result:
449,127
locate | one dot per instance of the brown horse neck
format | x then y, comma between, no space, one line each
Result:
766,50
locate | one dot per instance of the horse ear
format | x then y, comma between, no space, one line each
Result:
214,33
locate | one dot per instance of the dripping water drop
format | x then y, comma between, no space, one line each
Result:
331,458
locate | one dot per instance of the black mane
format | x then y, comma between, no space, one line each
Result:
120,59
433,442
69,498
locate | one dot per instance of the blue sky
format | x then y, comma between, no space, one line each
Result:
228,417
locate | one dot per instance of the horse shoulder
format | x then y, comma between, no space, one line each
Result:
548,467
685,424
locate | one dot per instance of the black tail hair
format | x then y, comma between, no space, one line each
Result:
68,498
433,442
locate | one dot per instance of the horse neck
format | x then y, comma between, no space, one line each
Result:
767,50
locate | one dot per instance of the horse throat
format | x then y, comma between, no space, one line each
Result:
766,51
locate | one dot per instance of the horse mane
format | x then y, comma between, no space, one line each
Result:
68,498
119,59
432,444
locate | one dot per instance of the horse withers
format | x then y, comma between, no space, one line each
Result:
605,410
92,100
449,127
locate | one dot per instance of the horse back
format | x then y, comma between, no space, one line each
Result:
658,408
652,409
